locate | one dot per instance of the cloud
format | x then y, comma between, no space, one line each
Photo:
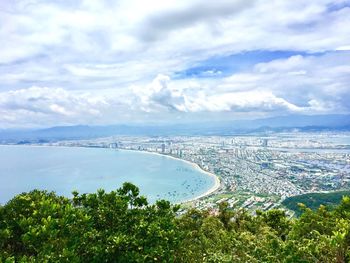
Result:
309,84
104,33
164,94
158,93
298,84
191,99
41,105
106,47
158,25
244,102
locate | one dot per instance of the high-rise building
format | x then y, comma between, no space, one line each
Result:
264,142
113,145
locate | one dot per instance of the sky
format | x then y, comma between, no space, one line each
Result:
69,62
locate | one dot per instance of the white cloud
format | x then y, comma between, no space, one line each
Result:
298,84
311,85
105,47
121,31
192,99
38,106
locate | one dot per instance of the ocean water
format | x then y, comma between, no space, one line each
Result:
64,169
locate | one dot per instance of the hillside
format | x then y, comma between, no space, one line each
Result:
314,200
122,227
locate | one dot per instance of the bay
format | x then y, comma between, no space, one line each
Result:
64,169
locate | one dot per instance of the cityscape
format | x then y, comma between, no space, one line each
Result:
175,131
255,171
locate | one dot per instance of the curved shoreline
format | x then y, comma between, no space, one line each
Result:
214,188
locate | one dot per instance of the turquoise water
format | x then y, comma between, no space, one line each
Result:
64,169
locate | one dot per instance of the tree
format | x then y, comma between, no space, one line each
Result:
120,226
102,227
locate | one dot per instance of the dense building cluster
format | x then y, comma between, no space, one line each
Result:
270,167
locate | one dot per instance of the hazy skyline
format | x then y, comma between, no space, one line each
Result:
104,62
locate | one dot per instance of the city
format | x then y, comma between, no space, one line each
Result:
255,171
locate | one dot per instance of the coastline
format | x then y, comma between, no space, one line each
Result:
213,189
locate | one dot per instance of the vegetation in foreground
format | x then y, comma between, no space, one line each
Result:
122,227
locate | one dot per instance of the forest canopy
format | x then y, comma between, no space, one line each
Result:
121,226
314,200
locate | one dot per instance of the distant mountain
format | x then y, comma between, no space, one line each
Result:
329,121
275,124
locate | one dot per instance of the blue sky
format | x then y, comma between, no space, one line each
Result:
219,66
128,61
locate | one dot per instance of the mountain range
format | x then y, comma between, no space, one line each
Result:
304,123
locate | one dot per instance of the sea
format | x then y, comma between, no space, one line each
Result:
64,169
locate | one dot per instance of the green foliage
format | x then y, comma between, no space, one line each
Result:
103,227
314,200
121,226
